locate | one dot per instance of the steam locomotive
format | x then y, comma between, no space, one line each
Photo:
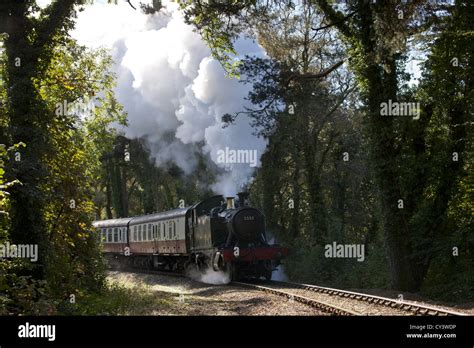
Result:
225,235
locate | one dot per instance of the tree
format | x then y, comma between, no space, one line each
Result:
28,48
414,183
377,63
65,89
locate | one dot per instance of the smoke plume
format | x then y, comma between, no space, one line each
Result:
174,92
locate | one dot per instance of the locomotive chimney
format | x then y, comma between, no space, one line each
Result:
230,203
243,199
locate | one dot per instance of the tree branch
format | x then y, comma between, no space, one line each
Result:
335,23
336,17
58,13
131,5
314,75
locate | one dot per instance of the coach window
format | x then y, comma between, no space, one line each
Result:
174,229
139,233
170,229
134,233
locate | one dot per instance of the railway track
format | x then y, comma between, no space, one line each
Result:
320,305
349,301
330,300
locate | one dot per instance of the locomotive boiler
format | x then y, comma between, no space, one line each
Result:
223,234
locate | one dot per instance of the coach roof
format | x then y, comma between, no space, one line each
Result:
170,214
112,222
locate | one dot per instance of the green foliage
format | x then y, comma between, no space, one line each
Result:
219,24
70,253
117,300
138,186
355,202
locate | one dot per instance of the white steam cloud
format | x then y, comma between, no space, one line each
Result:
209,276
175,93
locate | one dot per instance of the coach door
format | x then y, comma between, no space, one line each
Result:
174,223
191,227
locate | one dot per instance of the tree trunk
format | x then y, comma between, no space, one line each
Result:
26,124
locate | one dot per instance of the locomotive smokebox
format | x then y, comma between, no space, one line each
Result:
230,203
243,199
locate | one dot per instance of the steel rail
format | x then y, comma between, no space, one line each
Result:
323,306
416,309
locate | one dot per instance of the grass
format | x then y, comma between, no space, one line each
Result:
119,300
